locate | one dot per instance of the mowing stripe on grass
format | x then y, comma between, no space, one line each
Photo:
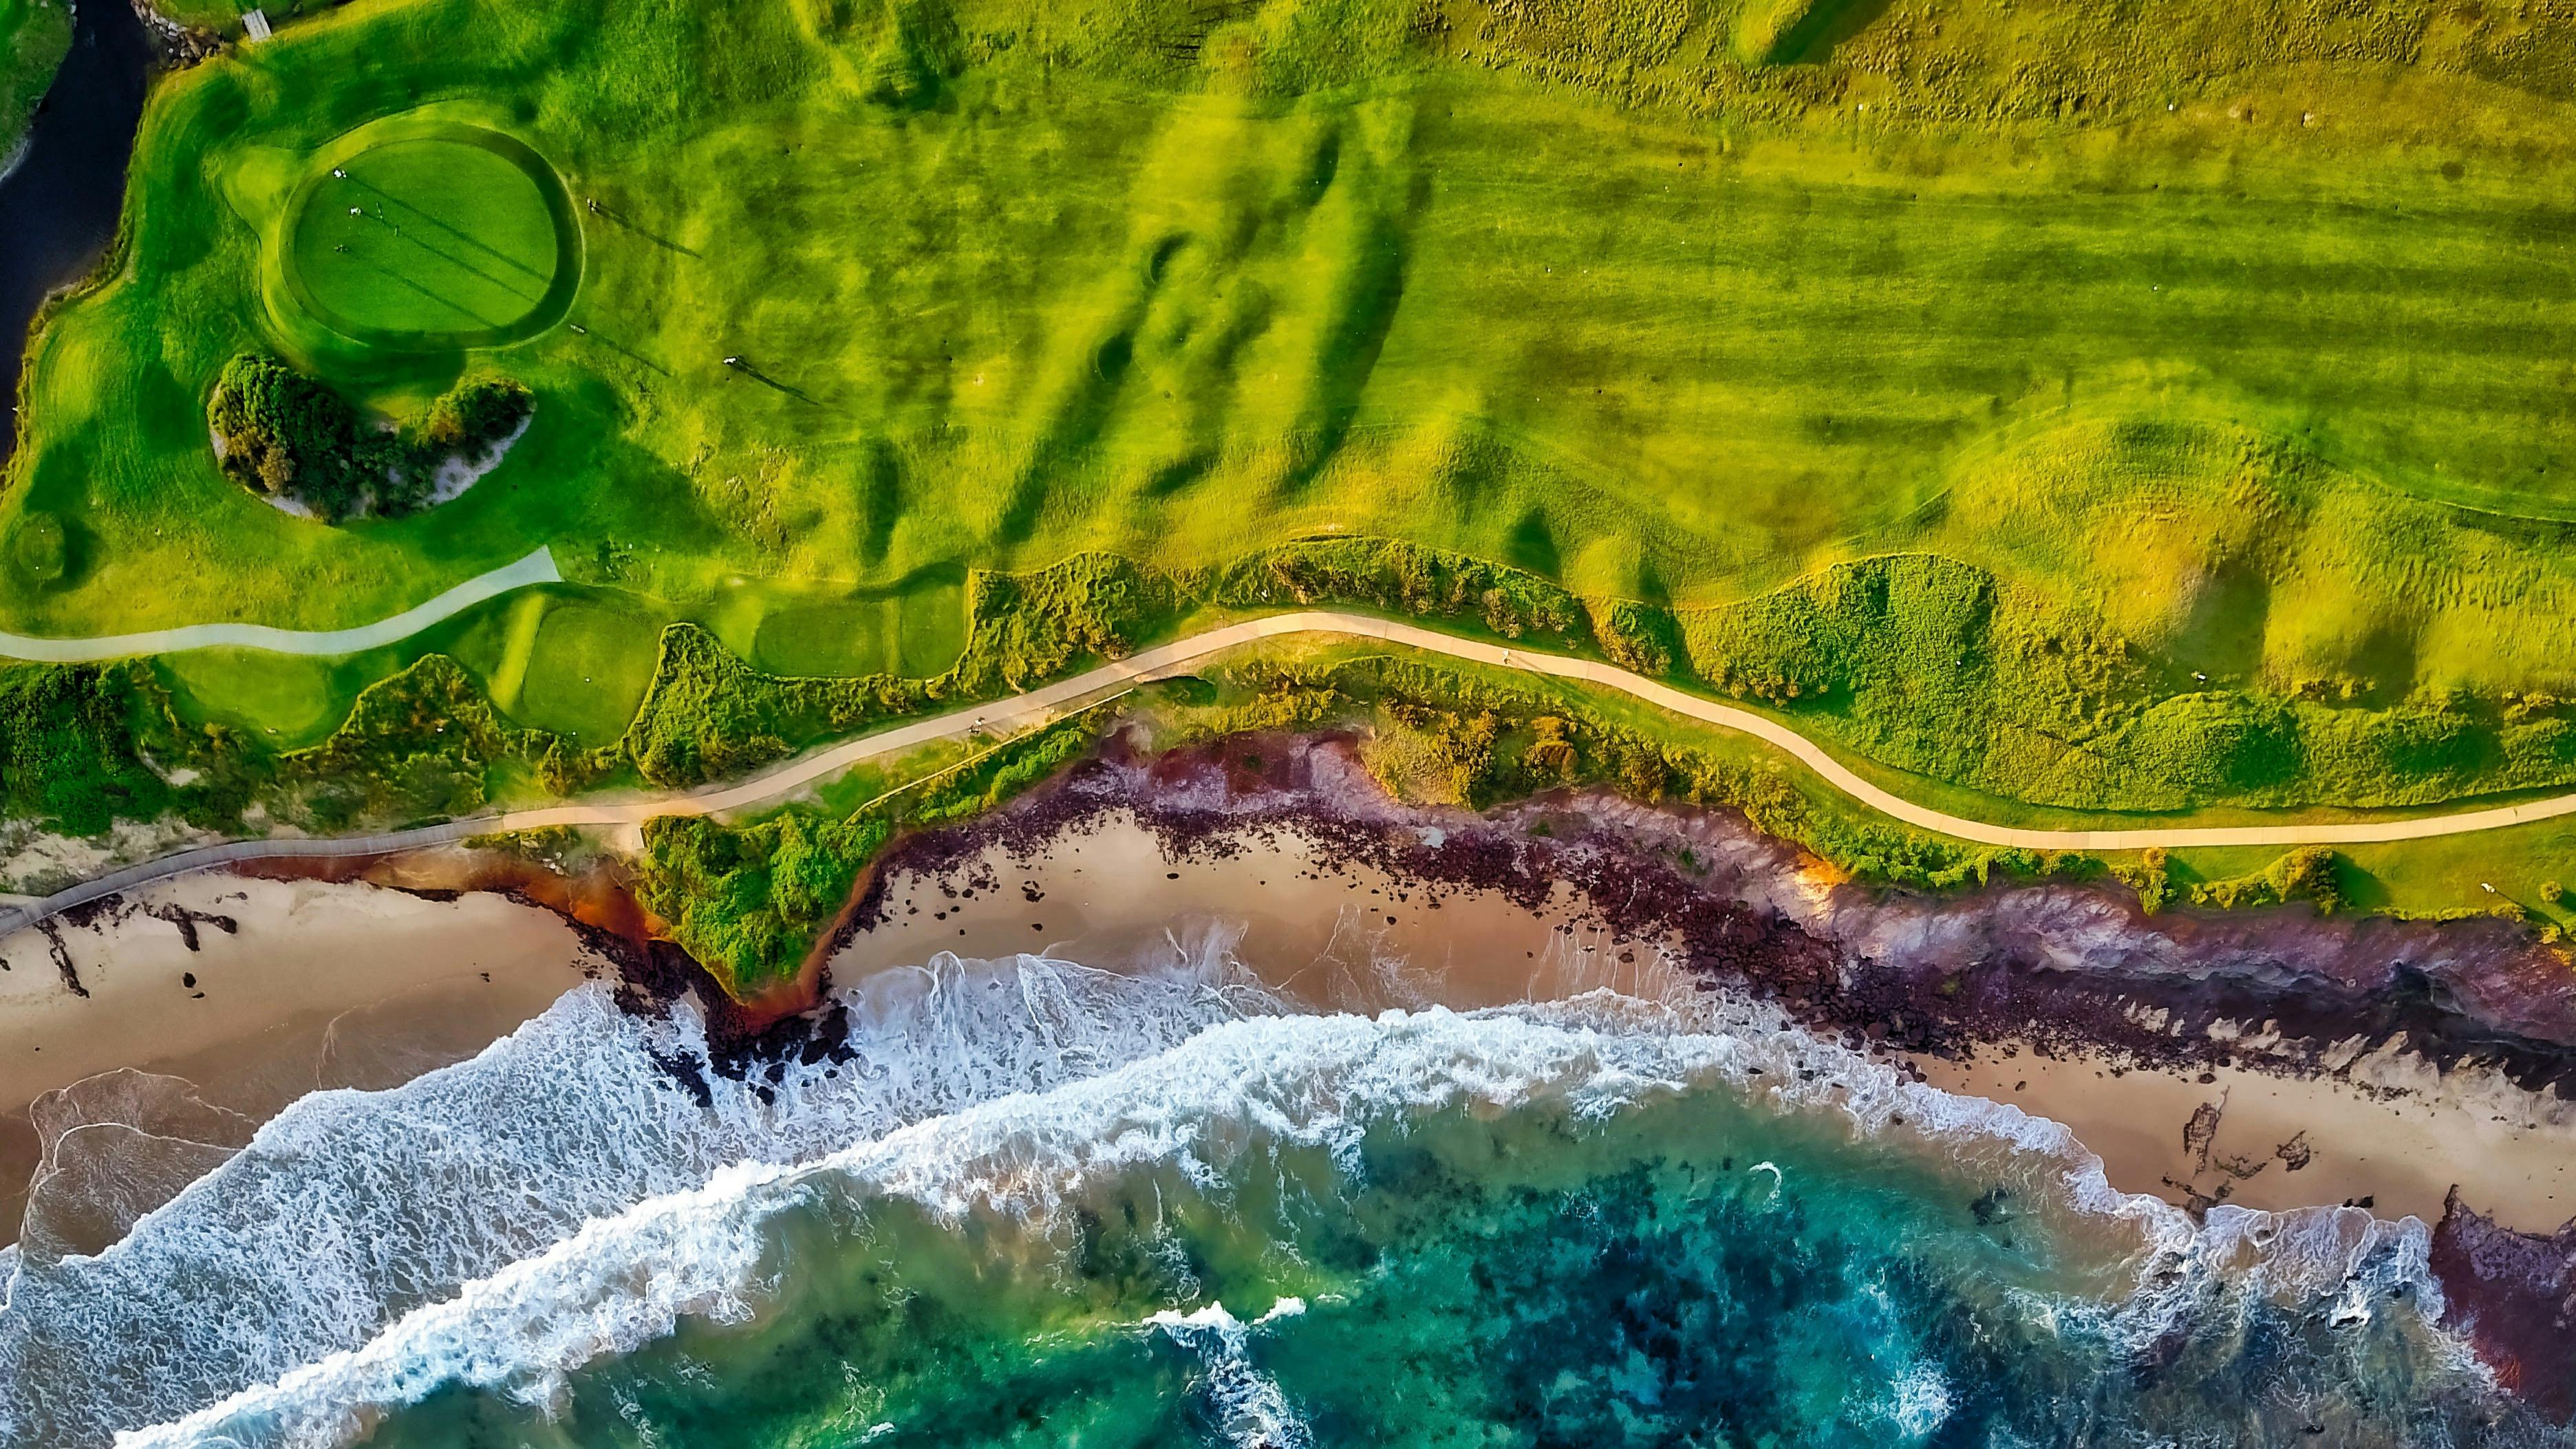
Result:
536,568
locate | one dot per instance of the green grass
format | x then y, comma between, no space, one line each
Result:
587,671
918,632
291,697
2215,355
426,237
35,35
417,234
1142,313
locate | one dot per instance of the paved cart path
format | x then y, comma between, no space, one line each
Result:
1052,700
536,568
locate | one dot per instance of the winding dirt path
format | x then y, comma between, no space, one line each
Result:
1179,656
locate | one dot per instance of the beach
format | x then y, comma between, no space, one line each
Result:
1337,934
1220,930
256,991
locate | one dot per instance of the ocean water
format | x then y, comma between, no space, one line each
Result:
1043,1203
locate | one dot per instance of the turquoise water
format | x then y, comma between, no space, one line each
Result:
1170,1213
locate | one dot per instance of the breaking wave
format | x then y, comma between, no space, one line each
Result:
353,1208
1896,1259
1159,1204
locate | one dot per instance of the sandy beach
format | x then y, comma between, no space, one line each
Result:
1348,936
255,991
258,991
1333,935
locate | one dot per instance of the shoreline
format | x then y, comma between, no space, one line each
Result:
2265,1059
254,992
1343,900
1334,933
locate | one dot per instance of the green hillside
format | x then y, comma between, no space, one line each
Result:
2230,341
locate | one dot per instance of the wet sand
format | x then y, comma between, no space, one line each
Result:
2281,1142
322,984
1340,936
1354,938
313,985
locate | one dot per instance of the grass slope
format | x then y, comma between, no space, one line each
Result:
2209,352
1040,302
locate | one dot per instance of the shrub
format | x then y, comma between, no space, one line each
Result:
1408,578
419,744
1638,636
708,715
2311,873
1027,627
69,756
472,416
284,434
2150,876
749,904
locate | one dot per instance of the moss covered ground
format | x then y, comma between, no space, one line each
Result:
2160,408
35,35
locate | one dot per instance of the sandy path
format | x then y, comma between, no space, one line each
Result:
1039,705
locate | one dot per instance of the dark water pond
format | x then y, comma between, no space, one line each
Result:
58,209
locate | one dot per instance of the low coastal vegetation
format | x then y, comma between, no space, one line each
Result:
428,742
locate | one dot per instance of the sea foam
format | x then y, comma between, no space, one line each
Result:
353,1208
1238,1087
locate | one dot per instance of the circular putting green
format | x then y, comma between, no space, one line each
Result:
421,236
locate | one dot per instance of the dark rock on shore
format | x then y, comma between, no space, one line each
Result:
2514,1296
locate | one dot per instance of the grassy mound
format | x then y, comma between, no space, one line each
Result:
417,235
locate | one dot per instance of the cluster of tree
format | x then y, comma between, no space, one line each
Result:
287,435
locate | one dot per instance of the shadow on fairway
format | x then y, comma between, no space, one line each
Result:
622,350
611,213
476,242
758,376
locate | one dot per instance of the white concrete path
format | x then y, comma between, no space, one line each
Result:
1179,656
536,568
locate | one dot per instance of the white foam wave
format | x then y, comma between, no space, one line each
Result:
1238,1087
1251,1407
352,1208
